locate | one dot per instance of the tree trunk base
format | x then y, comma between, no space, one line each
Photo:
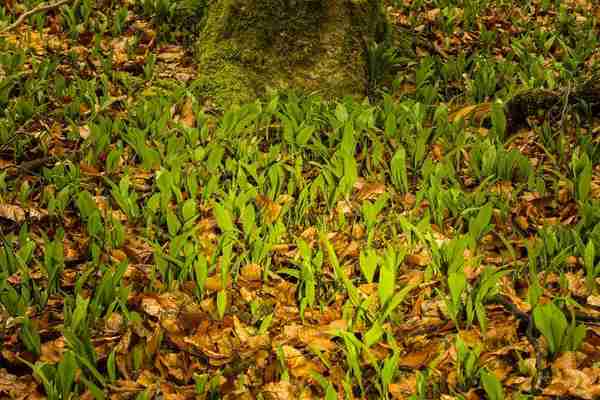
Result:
250,46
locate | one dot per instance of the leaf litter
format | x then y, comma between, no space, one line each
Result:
215,255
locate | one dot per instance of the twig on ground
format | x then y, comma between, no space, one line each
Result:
523,316
29,166
38,9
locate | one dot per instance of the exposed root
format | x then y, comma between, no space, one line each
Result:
40,8
554,104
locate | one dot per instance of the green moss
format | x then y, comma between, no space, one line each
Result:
315,45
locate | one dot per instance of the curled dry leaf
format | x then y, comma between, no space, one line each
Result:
214,283
114,322
18,214
174,365
316,339
171,53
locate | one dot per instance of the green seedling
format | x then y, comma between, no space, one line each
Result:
467,364
492,385
30,337
370,212
481,224
457,283
330,392
592,268
560,334
58,380
126,197
307,277
581,167
54,262
369,260
422,384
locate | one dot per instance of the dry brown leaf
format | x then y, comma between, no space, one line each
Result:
418,260
594,300
316,339
371,191
462,113
282,390
172,362
240,330
270,209
214,283
403,389
151,306
84,132
251,272
52,351
18,214
114,322
171,53
188,118
417,359
294,357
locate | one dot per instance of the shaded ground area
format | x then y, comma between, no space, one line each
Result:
406,246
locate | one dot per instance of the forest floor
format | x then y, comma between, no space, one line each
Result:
412,246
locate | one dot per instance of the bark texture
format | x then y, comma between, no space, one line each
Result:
249,46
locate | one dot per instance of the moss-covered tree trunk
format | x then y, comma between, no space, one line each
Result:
249,46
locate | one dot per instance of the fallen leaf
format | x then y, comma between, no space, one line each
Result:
371,191
52,351
282,390
252,272
151,306
417,359
84,131
271,209
18,214
188,118
418,260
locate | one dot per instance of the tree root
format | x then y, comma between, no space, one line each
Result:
38,9
554,104
528,319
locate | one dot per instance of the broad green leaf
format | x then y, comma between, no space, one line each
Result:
457,282
221,303
552,323
387,280
399,172
479,225
491,385
341,113
223,217
368,262
173,223
189,210
373,335
396,300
